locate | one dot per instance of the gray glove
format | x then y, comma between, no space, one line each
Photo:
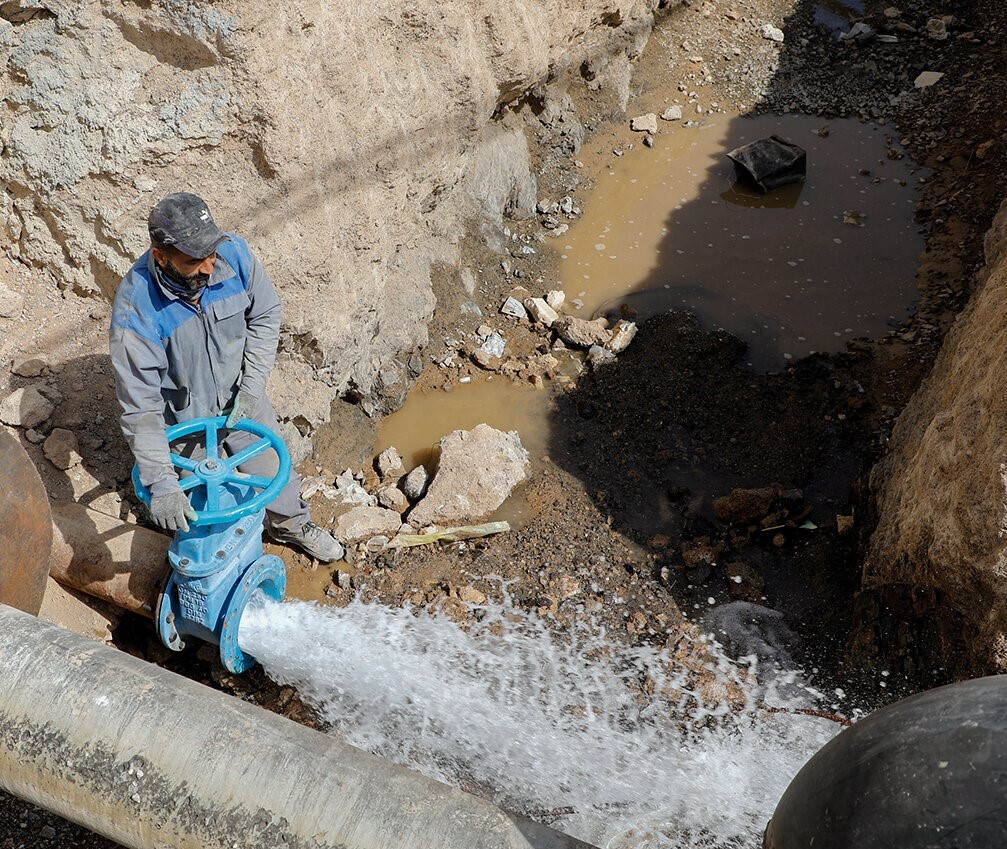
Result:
244,406
170,510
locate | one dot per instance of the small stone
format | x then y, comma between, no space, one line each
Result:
389,464
892,13
392,498
61,449
672,113
771,33
406,529
540,311
415,483
471,595
745,506
514,308
597,355
362,523
648,141
582,333
494,345
555,298
342,579
937,29
779,540
622,334
26,407
844,524
485,361
483,330
566,205
29,366
927,79
559,231
33,436
644,123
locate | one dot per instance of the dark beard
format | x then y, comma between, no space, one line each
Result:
186,286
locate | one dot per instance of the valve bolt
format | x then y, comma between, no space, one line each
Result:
239,532
220,554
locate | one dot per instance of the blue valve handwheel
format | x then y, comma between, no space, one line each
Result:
214,472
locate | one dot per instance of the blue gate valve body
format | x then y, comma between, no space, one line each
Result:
218,564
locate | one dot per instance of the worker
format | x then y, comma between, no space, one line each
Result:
194,330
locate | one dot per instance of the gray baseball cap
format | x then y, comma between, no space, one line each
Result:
182,220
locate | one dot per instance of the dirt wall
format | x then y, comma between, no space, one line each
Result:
942,487
349,143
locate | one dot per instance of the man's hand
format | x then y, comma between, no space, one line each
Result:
171,511
244,406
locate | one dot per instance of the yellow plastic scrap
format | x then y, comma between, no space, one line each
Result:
448,534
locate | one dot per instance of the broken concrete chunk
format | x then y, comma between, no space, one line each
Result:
26,407
514,308
362,523
644,123
61,449
389,464
540,311
672,113
622,335
555,298
415,483
348,491
582,333
477,471
392,498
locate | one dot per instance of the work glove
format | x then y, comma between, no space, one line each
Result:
171,510
244,406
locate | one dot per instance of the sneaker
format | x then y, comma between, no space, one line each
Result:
311,539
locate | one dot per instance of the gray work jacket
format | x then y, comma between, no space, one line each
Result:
175,361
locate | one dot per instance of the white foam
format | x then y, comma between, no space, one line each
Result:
555,727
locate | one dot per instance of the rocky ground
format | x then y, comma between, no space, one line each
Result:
657,496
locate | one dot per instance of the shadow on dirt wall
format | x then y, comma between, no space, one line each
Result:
679,420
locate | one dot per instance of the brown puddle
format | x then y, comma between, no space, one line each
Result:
417,427
666,228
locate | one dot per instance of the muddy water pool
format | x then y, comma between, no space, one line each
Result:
805,268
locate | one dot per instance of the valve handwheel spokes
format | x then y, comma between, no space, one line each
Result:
214,472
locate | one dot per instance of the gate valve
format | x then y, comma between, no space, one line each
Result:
218,564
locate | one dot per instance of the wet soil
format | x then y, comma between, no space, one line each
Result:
622,519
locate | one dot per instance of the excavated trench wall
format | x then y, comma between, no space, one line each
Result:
942,488
350,143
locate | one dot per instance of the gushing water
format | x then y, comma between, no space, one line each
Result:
626,748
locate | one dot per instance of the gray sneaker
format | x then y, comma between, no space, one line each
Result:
311,539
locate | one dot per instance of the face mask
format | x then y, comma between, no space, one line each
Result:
182,285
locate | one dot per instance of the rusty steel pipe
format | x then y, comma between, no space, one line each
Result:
25,528
106,558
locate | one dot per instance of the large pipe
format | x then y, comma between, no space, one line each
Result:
926,771
153,760
106,558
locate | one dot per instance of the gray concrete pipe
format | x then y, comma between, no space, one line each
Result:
153,760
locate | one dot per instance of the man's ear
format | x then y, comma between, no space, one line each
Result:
158,255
